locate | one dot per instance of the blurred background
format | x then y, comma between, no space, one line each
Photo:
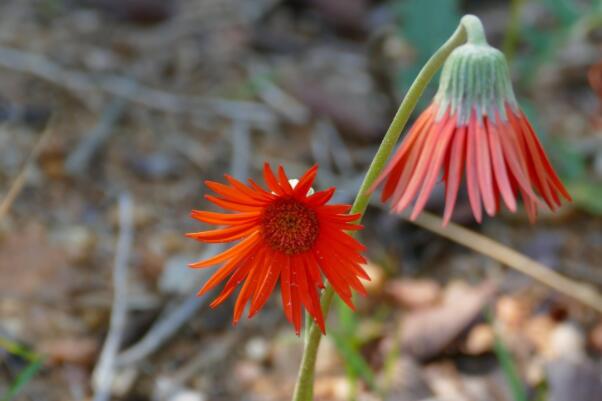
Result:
113,112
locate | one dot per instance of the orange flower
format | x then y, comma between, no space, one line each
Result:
287,234
474,127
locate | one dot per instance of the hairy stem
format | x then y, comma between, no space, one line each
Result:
470,26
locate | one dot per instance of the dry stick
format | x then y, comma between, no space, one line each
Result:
508,256
19,181
339,149
167,325
171,320
78,161
241,144
81,83
502,253
203,360
105,369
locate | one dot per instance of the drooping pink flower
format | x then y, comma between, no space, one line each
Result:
474,128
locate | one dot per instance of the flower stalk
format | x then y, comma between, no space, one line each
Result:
471,29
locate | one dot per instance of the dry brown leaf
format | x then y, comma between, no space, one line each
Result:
31,266
538,331
480,340
513,311
413,293
427,332
75,350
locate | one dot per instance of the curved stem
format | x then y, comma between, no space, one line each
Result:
475,33
304,386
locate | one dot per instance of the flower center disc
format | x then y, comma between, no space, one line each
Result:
289,226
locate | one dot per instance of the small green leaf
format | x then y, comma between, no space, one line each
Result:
504,357
587,195
22,379
354,360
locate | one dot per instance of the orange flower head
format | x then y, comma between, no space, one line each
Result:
286,233
473,128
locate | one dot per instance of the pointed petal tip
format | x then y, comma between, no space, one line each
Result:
215,303
196,265
202,292
415,215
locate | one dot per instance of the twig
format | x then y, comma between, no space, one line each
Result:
105,369
165,327
319,149
508,256
204,359
241,143
78,161
171,320
340,152
82,83
504,254
19,181
283,103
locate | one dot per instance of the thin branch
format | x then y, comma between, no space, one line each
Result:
81,84
164,328
171,320
78,161
241,143
19,181
482,244
105,369
508,256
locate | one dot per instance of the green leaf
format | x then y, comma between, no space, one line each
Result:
504,357
35,363
587,195
354,360
22,379
348,345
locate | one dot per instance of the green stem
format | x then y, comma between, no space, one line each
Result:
469,26
474,30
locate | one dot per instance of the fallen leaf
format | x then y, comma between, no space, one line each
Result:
427,332
413,293
75,350
34,266
480,340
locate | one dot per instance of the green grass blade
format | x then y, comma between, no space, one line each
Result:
22,379
504,357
